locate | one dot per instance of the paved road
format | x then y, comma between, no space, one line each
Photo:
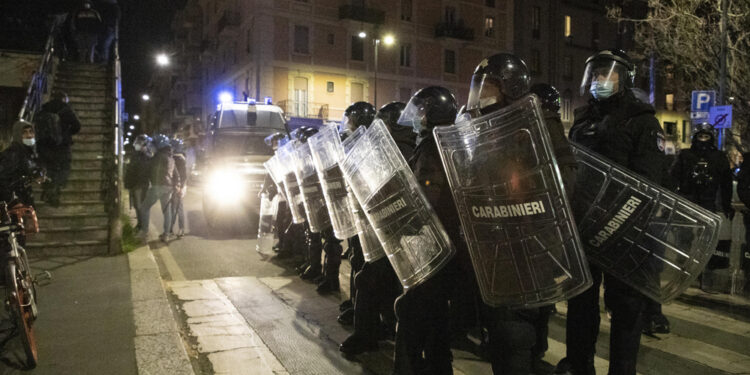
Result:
240,311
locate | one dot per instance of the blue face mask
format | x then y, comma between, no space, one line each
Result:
602,89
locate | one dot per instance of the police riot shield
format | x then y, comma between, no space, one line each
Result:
327,151
406,225
515,215
372,250
644,235
266,235
276,171
291,185
312,194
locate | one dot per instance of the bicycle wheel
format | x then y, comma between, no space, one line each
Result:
25,270
20,312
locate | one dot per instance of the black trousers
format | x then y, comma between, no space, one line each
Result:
333,250
357,261
377,289
582,326
422,333
512,336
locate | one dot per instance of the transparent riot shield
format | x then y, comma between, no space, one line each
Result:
372,250
646,236
276,171
515,215
312,194
326,150
266,235
291,185
411,234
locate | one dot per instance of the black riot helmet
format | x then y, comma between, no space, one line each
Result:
607,73
703,138
497,81
358,114
429,107
390,113
307,132
273,139
549,96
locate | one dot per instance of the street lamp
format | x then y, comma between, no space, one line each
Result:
162,59
388,40
132,127
136,117
362,35
145,97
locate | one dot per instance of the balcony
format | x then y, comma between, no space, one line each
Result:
229,23
454,30
361,14
293,108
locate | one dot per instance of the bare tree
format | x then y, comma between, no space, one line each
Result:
687,35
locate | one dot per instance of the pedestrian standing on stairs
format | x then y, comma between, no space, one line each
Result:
56,124
86,26
110,13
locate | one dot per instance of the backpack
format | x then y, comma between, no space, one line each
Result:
48,129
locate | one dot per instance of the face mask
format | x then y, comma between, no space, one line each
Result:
486,102
602,90
29,141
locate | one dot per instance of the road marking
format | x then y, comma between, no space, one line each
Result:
174,270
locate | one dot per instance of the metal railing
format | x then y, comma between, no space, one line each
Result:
305,109
38,86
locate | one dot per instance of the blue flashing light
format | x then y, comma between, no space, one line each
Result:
268,100
225,97
251,101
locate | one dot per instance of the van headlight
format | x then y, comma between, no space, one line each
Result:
227,187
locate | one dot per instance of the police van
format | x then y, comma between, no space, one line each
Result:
233,172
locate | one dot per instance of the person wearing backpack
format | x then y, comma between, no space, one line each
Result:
56,123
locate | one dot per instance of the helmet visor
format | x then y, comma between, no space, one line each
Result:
476,92
602,71
346,124
413,115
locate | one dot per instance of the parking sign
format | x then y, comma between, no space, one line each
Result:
702,100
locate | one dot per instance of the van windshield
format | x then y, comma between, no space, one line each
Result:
233,119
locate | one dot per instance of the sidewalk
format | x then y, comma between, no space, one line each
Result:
85,323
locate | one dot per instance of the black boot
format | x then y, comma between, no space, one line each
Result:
329,285
356,344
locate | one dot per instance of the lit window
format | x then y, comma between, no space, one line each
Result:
489,26
669,102
329,86
568,31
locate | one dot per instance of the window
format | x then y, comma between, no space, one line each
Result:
594,35
301,39
536,22
566,107
450,15
489,3
669,102
358,48
331,39
568,67
329,86
535,61
568,30
684,132
450,61
670,128
406,10
405,55
489,26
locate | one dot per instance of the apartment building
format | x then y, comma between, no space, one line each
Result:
315,57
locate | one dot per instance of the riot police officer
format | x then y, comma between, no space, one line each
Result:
620,127
377,285
356,115
283,217
422,334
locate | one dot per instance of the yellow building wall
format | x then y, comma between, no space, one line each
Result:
677,117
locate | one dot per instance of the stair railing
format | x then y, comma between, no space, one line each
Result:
114,170
38,86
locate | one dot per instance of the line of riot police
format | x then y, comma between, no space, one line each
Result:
486,217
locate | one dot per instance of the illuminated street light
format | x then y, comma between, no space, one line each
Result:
162,59
132,127
389,40
136,117
129,134
145,97
362,34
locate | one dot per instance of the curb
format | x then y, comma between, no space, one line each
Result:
158,344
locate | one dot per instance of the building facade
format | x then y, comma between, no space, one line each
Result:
315,57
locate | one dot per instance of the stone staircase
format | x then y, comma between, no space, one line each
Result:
80,225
